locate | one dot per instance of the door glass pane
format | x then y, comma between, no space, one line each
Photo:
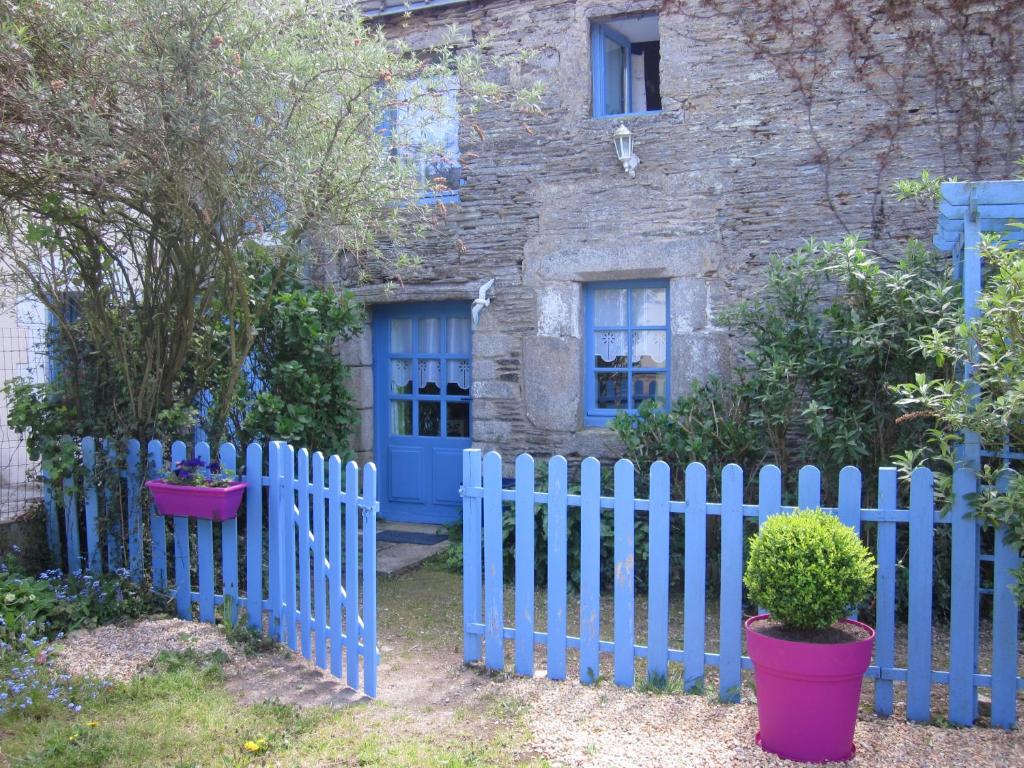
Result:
430,419
648,386
611,390
649,349
610,307
458,420
614,77
401,377
430,377
458,377
458,336
610,349
648,306
401,337
430,336
401,417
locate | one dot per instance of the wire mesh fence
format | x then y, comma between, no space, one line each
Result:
21,355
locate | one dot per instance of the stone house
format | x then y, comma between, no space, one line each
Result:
607,284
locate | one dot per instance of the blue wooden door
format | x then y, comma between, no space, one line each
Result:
422,405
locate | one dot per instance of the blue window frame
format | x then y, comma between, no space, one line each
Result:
627,350
424,132
618,87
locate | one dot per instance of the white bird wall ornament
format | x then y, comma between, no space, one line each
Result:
481,301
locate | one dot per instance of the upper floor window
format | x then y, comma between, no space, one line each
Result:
626,347
424,131
626,57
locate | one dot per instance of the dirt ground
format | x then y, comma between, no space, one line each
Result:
426,689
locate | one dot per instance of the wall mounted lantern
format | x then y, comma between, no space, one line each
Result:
623,141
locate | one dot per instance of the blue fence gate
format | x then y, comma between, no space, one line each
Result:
302,579
486,633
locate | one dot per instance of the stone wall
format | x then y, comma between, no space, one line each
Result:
728,175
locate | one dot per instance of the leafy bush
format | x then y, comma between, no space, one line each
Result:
808,569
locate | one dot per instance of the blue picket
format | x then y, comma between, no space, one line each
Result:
524,575
182,555
93,556
370,580
352,573
334,523
254,535
850,497
695,552
229,542
963,649
769,498
319,555
808,492
558,487
919,613
52,521
289,603
133,471
885,594
71,526
1005,633
302,487
494,642
204,552
590,570
274,538
624,563
157,526
112,512
472,542
730,622
658,575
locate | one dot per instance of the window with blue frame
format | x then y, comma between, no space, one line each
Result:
423,128
627,347
625,60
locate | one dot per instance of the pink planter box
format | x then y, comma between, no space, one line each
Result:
217,504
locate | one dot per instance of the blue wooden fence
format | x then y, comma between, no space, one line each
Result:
485,631
302,530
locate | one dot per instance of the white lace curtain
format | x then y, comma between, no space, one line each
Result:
610,345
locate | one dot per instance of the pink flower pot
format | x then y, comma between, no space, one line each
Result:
217,504
808,693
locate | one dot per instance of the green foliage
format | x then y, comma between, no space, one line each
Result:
990,406
820,348
926,188
808,569
302,394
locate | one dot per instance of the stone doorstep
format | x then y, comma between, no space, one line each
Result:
394,558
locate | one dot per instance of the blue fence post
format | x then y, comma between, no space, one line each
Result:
352,573
254,535
334,525
229,543
730,621
204,552
590,570
274,537
287,520
624,562
319,556
558,545
94,558
133,472
494,615
302,487
472,569
919,612
885,613
157,527
370,579
1005,633
963,648
695,549
658,574
524,575
182,555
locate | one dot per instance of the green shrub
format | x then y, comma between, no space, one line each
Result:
807,569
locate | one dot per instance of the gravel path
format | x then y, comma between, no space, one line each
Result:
607,727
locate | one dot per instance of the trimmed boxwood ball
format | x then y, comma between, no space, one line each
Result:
807,569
